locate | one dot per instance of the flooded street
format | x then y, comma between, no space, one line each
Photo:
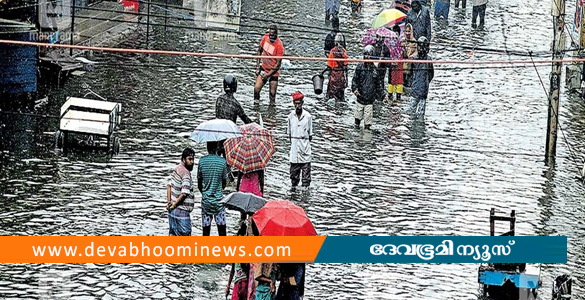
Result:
481,146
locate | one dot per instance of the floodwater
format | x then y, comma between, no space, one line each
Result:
481,146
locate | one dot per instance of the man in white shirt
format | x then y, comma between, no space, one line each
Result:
300,133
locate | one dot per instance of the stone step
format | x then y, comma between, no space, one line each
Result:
87,27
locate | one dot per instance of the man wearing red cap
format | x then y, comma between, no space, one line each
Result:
300,133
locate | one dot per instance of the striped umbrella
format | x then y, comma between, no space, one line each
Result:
252,151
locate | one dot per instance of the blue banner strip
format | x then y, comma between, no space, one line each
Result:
443,249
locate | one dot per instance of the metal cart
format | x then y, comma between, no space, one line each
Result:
516,280
93,119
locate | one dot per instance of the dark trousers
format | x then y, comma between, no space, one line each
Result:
463,3
295,173
478,10
442,9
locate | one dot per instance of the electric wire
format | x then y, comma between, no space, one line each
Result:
447,45
569,146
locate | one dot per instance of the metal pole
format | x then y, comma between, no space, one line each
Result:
492,222
579,53
579,14
72,27
558,13
513,222
147,22
166,8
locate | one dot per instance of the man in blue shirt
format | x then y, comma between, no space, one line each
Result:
211,180
420,19
423,73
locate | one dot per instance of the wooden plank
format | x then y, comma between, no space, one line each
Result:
509,233
86,122
500,218
91,104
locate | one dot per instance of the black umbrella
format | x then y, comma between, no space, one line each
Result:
244,202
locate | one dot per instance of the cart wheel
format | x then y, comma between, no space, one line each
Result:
116,145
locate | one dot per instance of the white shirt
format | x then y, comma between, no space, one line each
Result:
299,130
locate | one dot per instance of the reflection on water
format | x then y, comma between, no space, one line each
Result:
481,145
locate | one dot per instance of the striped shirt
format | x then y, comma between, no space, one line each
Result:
181,183
212,170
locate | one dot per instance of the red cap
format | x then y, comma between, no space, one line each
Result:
298,96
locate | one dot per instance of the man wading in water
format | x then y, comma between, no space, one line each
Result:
270,45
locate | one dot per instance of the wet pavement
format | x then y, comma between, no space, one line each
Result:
481,146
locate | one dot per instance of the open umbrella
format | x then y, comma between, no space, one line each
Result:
388,17
247,203
215,130
283,218
252,151
391,40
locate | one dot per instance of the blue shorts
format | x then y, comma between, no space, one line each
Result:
219,219
179,222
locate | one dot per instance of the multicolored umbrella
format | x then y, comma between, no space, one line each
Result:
388,17
252,151
283,218
215,130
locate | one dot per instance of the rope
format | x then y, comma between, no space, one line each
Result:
246,56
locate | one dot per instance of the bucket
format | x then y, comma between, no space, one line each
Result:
318,84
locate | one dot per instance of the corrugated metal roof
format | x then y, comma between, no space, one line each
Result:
11,26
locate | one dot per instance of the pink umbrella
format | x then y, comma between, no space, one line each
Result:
391,40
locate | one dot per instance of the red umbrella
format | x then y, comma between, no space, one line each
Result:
252,151
283,218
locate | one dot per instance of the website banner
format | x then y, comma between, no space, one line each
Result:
332,249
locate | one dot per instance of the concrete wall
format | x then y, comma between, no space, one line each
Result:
216,14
